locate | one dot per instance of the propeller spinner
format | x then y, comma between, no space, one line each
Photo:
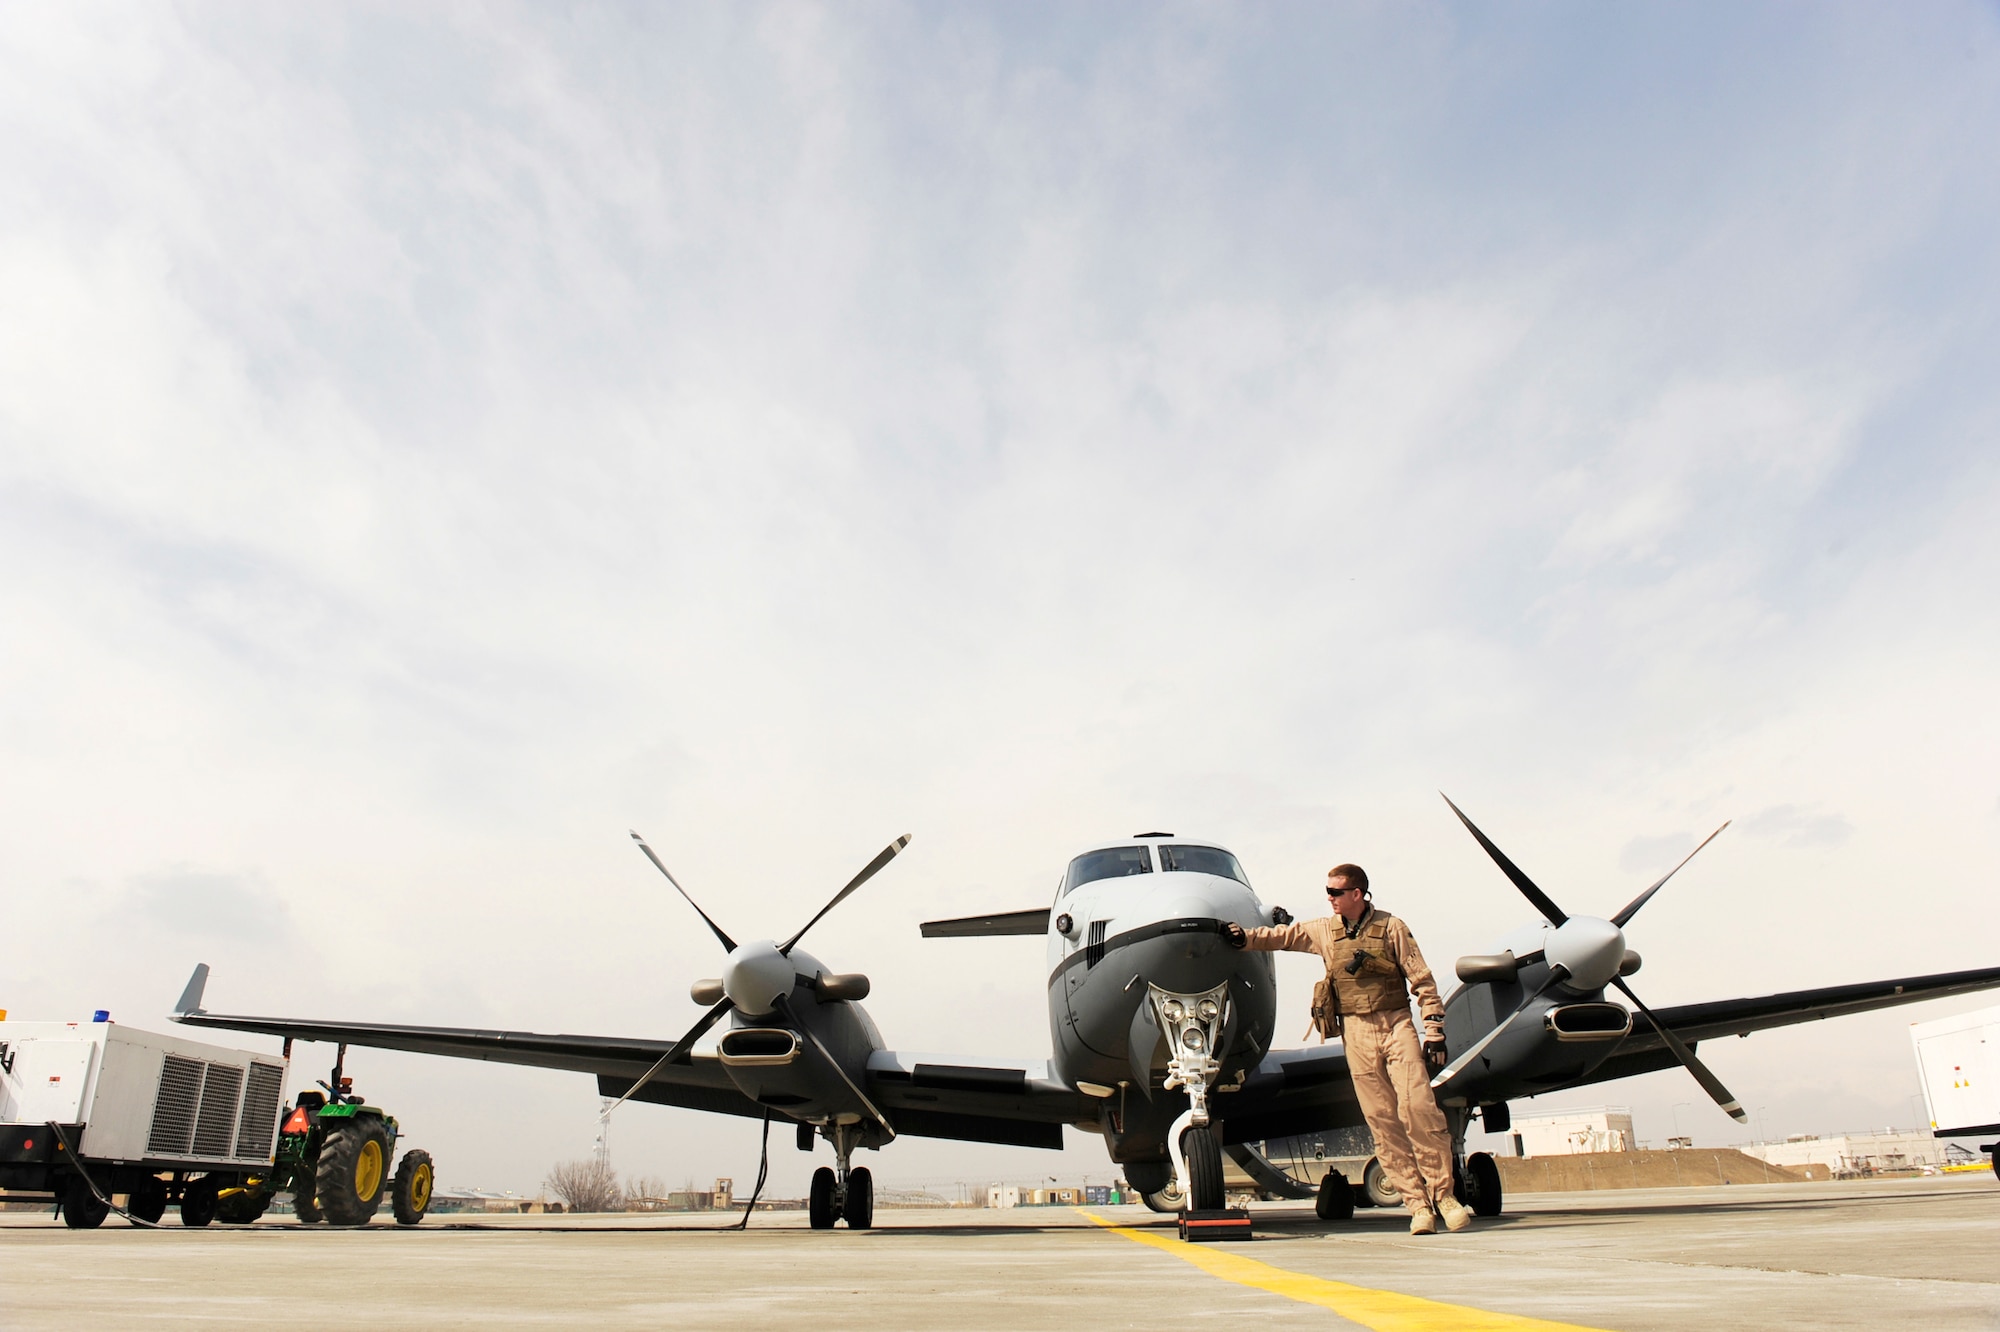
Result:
1586,953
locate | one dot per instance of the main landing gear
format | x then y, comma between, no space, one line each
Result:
843,1193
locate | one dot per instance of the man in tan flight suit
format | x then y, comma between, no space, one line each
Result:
1372,966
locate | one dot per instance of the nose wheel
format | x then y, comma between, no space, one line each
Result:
845,1192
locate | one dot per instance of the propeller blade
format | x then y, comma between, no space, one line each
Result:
1709,1082
726,941
677,1053
1557,975
1543,903
867,873
1632,907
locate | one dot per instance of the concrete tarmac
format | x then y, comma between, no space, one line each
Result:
1903,1253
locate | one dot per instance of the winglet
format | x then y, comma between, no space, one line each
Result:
191,997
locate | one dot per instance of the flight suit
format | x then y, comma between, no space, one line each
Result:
1370,1010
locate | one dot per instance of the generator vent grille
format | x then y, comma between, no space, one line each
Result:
259,1122
215,1125
174,1107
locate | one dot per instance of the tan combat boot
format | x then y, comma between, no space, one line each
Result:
1423,1223
1457,1216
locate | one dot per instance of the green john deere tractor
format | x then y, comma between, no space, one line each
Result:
333,1157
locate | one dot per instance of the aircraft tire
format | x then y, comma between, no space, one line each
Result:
1480,1188
859,1208
1336,1198
1168,1200
819,1204
81,1209
1204,1161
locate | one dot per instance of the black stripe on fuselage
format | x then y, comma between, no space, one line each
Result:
1158,929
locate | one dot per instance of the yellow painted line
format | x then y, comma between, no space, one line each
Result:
1381,1310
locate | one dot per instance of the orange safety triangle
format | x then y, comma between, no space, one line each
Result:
297,1123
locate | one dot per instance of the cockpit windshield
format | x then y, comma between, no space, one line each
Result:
1202,860
1112,864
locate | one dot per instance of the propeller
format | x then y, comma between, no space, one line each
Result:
1584,953
758,976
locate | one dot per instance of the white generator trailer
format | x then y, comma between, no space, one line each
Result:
1958,1059
93,1109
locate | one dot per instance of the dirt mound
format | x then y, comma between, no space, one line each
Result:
1644,1170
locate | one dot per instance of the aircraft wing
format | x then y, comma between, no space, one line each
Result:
1005,1101
618,1061
1644,1051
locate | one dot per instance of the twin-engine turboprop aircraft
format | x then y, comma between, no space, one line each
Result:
1162,1035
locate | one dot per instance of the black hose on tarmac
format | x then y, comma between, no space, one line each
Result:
763,1169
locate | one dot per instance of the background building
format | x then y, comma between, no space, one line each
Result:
1851,1154
1605,1128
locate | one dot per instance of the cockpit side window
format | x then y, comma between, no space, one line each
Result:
1112,864
1202,860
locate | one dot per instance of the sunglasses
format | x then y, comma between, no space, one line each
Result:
1341,892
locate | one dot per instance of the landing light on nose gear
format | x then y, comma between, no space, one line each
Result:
1192,1025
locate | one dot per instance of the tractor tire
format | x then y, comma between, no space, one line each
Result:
199,1199
1375,1181
1335,1201
148,1202
411,1195
242,1207
1479,1186
353,1170
1204,1163
81,1209
859,1208
819,1205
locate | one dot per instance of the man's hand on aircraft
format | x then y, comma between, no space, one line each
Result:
1435,1054
1234,933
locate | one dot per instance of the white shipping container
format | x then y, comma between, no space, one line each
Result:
1958,1061
142,1097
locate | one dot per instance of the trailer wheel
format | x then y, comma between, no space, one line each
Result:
303,1190
199,1199
353,1167
411,1196
81,1208
148,1202
1375,1180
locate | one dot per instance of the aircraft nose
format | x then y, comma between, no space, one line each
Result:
756,976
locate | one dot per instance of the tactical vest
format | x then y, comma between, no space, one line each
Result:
1375,986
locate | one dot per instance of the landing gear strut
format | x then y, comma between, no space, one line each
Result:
1192,1025
844,1193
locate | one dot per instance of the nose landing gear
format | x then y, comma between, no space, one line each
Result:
1192,1026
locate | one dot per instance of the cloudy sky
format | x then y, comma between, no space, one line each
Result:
434,441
